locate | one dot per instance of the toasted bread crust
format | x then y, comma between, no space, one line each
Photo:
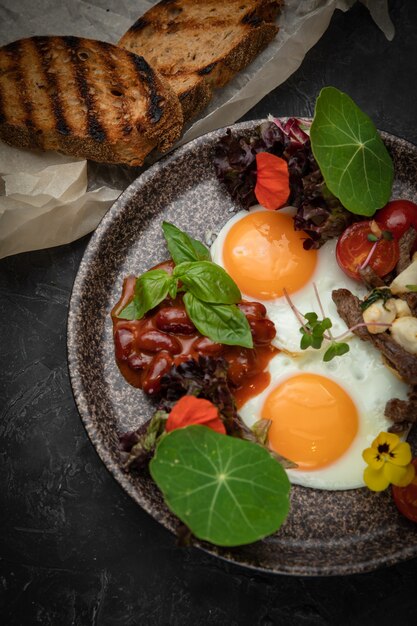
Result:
200,46
85,98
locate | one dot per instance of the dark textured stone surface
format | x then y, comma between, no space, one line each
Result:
75,549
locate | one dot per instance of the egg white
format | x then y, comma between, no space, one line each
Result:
361,372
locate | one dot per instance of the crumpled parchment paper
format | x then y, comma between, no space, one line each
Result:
47,199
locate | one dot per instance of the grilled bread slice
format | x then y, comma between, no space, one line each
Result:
200,45
85,98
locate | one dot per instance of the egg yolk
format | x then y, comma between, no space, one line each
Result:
265,255
314,420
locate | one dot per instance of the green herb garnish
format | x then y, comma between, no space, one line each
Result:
210,293
182,247
226,490
221,323
314,333
150,289
336,348
351,155
411,287
383,294
208,282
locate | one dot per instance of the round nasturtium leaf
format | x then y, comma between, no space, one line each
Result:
351,155
228,491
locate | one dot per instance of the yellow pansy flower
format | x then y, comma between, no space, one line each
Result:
389,461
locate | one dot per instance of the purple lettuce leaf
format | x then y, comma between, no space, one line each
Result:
319,214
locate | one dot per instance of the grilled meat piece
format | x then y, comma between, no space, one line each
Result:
406,244
403,410
405,363
370,278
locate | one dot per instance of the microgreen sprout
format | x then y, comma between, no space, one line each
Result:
375,236
314,330
371,253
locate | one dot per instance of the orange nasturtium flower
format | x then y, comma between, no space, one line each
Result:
389,461
272,188
190,410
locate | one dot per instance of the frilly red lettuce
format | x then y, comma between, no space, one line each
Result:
319,214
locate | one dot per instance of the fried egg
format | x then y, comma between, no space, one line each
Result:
264,255
323,415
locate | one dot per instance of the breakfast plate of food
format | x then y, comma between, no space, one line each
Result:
242,343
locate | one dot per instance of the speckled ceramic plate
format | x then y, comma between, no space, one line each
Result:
326,532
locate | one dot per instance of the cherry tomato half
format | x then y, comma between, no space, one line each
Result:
353,247
397,216
406,497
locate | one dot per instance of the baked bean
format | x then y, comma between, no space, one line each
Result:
262,329
155,341
241,364
252,308
123,342
174,320
160,365
138,361
204,345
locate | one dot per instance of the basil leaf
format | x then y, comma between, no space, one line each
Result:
226,490
351,155
151,288
131,311
222,323
411,287
173,289
208,282
182,247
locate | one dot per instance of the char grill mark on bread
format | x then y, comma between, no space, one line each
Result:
146,74
50,84
138,25
14,104
86,98
86,92
198,46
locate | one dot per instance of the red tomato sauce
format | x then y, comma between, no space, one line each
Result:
146,349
